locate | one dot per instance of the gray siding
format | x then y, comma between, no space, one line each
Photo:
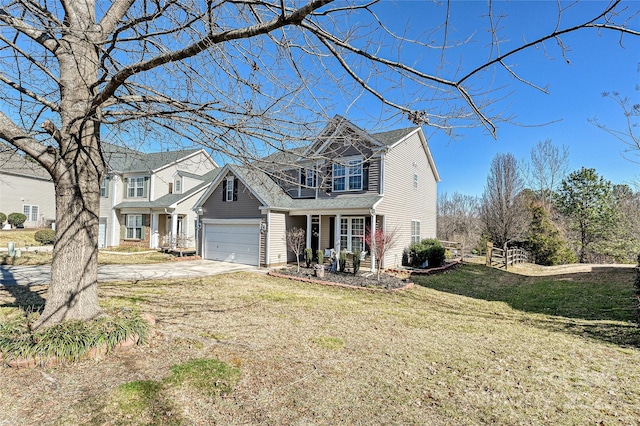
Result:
402,202
246,207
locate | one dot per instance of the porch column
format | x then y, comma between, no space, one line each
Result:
336,234
174,229
155,219
308,231
373,242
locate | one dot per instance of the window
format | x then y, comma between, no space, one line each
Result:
415,181
177,185
136,187
348,177
308,177
104,188
31,212
228,189
415,231
352,233
134,226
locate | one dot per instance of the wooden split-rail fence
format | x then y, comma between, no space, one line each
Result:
503,257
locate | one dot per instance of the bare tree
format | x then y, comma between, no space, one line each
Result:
459,219
381,241
243,77
549,165
503,209
295,241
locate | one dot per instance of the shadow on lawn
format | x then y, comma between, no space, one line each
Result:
598,304
24,297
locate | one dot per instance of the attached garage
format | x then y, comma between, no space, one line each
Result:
232,240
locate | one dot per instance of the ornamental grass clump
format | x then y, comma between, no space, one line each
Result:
68,341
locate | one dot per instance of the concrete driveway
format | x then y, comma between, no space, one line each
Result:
39,275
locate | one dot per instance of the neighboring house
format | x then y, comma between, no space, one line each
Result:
344,183
26,188
147,198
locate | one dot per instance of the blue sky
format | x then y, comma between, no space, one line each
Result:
597,64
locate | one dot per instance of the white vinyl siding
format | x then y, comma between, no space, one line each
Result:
402,202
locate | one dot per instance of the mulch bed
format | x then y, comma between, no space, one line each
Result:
363,279
390,280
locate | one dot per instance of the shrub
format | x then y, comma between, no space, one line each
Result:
320,255
17,219
308,256
342,260
428,251
45,236
3,218
356,261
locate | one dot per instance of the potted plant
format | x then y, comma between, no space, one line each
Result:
319,270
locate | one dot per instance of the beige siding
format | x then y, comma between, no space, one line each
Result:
198,165
277,239
402,202
18,191
246,207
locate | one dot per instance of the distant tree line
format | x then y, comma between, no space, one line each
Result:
557,216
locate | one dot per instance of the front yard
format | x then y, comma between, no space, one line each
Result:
295,353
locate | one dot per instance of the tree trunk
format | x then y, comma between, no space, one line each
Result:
73,290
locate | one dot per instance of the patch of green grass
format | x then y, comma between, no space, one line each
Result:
577,295
209,377
146,402
328,342
70,340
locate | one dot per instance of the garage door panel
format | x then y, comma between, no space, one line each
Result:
232,243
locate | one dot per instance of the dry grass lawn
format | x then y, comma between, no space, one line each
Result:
309,354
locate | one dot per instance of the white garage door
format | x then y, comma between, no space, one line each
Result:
232,242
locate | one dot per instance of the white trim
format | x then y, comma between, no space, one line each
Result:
381,178
345,162
231,221
229,188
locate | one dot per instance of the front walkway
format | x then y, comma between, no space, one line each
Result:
40,275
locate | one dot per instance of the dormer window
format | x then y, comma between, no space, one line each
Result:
177,185
347,176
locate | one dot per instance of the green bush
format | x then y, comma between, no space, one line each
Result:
428,251
356,261
17,219
45,236
308,256
342,260
320,255
3,218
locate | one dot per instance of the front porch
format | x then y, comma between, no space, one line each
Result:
338,231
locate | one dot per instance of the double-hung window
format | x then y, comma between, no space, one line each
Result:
310,175
31,212
177,185
104,188
415,231
136,187
352,233
347,176
134,226
228,196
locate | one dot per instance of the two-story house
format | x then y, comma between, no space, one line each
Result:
341,185
147,198
26,187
